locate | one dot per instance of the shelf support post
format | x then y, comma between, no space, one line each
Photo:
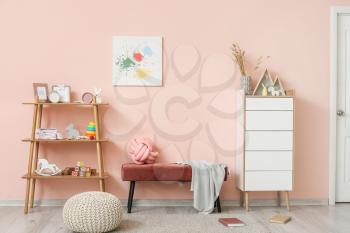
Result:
98,146
36,153
30,160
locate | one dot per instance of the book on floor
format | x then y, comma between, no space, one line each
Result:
231,222
280,219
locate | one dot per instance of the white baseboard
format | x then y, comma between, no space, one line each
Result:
182,202
51,202
270,202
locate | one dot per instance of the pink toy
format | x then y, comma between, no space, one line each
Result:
142,151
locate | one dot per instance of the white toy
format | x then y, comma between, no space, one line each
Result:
59,136
47,169
72,132
275,91
98,95
264,90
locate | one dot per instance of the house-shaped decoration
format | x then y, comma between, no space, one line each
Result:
279,87
264,83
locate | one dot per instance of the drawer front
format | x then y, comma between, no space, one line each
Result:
269,160
268,180
269,140
272,103
269,120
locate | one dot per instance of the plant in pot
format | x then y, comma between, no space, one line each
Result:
246,80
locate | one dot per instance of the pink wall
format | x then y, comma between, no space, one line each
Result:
70,42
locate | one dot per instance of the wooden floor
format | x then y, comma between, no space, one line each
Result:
318,219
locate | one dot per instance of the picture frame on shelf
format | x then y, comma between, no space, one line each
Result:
64,92
41,92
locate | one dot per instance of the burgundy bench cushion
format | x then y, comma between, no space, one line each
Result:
157,172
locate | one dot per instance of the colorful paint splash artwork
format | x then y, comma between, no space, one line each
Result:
137,61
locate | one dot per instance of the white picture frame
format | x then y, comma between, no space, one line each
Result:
41,92
63,91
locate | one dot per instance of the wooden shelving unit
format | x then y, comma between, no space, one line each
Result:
35,176
31,176
62,140
72,103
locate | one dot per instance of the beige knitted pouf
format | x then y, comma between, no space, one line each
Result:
92,212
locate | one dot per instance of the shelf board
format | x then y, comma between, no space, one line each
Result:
72,103
35,176
269,96
63,140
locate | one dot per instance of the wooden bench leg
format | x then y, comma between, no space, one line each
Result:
241,198
131,195
218,205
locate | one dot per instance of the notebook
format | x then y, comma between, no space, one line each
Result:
280,219
231,222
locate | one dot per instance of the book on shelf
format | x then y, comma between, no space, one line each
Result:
231,222
47,134
282,219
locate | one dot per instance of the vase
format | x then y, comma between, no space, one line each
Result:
246,84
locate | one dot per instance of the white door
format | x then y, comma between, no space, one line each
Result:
343,105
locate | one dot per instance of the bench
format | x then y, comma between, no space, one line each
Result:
158,172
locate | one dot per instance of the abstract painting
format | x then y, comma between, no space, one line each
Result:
137,61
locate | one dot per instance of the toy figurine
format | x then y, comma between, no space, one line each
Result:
80,164
82,170
264,91
47,169
275,91
68,171
72,132
98,95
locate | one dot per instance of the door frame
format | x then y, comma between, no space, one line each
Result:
335,12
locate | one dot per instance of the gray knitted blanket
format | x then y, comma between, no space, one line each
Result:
207,179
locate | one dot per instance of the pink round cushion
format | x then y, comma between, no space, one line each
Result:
142,151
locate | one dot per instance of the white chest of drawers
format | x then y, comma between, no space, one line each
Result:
265,145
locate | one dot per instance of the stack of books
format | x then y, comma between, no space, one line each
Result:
231,222
282,219
46,133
